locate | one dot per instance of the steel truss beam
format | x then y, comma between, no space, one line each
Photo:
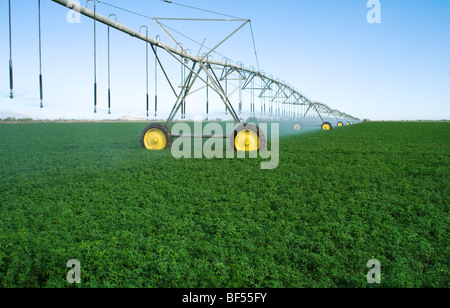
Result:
284,95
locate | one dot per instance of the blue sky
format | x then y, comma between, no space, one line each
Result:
396,70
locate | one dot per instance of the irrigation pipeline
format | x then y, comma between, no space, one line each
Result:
285,94
94,17
99,18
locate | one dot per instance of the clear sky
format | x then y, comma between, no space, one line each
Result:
398,69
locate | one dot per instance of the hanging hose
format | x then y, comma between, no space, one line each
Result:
253,97
95,59
156,86
11,82
226,87
207,95
182,81
184,101
261,96
146,58
146,70
95,53
109,65
156,80
109,73
11,94
183,77
41,91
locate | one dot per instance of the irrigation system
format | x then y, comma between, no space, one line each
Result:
278,100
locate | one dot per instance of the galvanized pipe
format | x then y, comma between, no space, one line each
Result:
202,60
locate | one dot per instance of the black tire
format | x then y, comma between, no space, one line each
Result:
327,123
254,128
161,127
297,126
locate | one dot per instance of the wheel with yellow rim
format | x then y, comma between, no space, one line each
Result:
297,126
340,124
156,137
348,123
327,126
248,138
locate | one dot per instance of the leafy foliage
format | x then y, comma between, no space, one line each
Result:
136,218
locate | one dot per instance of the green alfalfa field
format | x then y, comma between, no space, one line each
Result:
136,218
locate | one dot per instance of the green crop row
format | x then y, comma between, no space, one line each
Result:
135,218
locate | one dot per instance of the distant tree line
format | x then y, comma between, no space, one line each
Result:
12,119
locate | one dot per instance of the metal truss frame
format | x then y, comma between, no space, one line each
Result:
218,76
